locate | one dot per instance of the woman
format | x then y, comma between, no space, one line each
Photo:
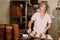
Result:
40,20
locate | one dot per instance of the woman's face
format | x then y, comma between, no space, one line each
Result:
43,8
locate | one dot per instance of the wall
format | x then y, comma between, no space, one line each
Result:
53,11
4,11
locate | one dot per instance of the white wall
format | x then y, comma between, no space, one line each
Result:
4,11
53,5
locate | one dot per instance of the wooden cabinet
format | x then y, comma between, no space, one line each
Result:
18,13
16,9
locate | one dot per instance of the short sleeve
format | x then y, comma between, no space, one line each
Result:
49,19
33,17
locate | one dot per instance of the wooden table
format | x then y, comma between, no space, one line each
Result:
31,38
22,38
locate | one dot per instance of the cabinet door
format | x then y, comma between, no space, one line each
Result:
2,31
19,11
14,11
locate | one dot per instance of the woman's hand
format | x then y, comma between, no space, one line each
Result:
44,31
29,30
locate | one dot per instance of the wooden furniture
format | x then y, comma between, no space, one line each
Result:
18,14
9,32
2,31
25,38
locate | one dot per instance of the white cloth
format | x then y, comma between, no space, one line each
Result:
40,24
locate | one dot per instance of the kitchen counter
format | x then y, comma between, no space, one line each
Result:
26,37
32,39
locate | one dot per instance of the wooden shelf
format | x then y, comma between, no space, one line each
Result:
18,16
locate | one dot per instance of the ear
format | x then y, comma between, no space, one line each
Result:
39,8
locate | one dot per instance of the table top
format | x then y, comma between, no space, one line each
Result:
24,38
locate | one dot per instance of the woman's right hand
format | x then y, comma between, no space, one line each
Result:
29,30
